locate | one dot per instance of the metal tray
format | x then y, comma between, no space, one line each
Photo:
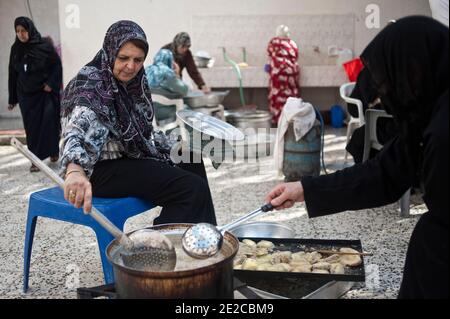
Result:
356,274
210,126
201,100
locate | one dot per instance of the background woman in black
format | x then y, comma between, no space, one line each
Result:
408,62
35,80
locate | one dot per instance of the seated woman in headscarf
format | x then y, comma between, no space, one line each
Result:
284,71
35,79
413,87
109,148
180,48
164,78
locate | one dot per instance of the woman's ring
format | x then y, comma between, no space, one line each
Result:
71,194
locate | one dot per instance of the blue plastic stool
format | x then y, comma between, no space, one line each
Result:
50,203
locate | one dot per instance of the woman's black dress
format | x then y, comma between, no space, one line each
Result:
32,65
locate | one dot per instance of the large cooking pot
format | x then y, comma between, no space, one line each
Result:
210,136
255,119
197,279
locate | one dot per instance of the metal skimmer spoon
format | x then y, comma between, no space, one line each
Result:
204,240
144,250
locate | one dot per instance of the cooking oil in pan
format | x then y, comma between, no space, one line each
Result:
184,261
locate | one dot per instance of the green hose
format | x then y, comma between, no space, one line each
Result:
239,75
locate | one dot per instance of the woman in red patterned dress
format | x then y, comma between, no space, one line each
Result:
284,71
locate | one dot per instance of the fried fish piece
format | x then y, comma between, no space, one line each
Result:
281,257
249,243
302,268
266,244
337,269
350,260
250,264
313,257
281,268
322,266
332,259
300,256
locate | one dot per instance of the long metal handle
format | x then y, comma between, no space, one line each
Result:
243,219
95,213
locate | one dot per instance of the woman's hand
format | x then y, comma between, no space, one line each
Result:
285,196
11,107
47,88
206,89
176,69
77,188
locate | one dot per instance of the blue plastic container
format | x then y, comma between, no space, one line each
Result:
302,158
337,116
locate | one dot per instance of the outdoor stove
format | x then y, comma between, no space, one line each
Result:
302,290
277,285
305,285
109,292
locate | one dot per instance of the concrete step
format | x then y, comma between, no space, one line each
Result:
11,127
5,139
10,123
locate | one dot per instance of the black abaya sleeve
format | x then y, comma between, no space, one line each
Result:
55,73
378,182
12,82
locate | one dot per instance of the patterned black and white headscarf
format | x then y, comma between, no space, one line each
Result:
126,110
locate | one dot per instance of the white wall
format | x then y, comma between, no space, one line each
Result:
45,14
162,19
313,33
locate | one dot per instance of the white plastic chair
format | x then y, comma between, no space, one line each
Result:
371,141
179,103
354,123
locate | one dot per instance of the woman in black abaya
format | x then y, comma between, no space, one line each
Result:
35,79
408,62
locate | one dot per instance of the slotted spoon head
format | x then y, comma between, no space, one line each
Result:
205,240
151,251
202,241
